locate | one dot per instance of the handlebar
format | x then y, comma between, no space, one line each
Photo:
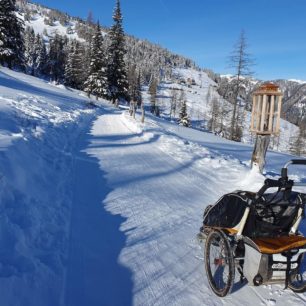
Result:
282,183
296,162
284,172
270,183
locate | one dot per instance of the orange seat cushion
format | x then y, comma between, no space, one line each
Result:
279,244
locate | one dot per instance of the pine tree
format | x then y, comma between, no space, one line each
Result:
42,57
132,81
298,143
214,112
74,70
57,58
173,103
30,53
184,119
11,35
96,82
153,92
116,71
138,94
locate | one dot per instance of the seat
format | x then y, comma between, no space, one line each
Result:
279,244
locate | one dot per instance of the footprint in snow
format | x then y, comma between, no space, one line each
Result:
270,302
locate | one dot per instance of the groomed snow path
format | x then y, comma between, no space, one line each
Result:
134,221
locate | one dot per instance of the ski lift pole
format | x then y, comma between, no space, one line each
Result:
265,120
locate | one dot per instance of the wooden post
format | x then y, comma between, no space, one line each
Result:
253,112
260,151
271,113
265,120
263,113
258,121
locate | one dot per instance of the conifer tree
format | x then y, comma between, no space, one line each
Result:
42,57
30,49
241,62
138,94
96,82
57,58
153,92
173,103
116,71
298,143
74,70
184,119
11,35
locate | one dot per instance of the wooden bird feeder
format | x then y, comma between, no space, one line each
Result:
266,110
265,120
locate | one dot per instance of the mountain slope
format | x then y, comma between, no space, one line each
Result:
100,209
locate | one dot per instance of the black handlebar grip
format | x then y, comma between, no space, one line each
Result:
269,183
284,173
298,162
272,183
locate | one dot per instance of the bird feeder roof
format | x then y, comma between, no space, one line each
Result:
268,88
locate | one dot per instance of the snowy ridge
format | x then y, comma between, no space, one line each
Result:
199,108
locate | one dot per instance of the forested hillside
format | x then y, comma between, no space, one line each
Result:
79,54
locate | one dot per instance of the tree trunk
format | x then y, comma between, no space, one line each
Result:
260,150
142,114
134,109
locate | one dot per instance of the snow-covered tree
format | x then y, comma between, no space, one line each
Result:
35,52
214,122
138,94
74,70
298,143
116,70
29,52
96,82
153,93
57,57
134,80
42,56
173,103
11,35
184,119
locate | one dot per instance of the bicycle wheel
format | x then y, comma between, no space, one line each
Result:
297,278
219,263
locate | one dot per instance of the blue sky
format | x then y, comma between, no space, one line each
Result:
206,30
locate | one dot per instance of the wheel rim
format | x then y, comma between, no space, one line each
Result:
218,263
298,277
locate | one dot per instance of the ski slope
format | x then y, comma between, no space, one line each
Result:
99,209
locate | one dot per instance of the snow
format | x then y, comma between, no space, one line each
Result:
199,109
100,209
297,81
160,187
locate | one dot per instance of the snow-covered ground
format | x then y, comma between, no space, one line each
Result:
99,209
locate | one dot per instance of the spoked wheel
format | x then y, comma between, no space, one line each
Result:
219,263
297,278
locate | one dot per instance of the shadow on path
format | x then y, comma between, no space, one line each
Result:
94,275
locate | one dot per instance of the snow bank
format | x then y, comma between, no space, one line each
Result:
39,128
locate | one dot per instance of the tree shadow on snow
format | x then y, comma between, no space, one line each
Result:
95,276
